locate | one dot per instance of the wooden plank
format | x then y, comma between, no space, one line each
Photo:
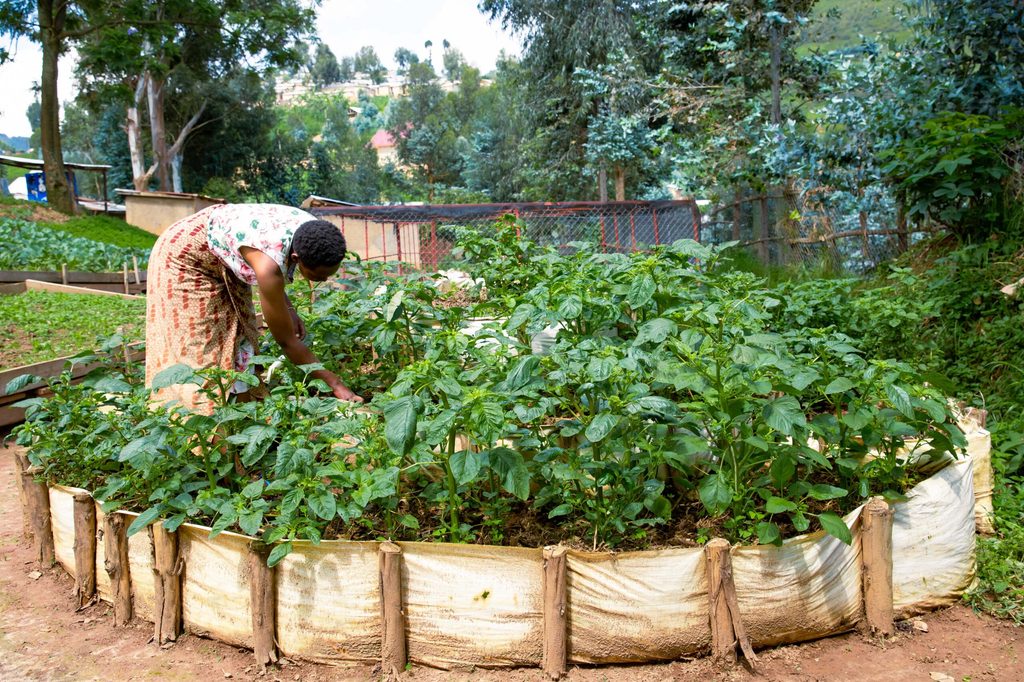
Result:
72,277
11,415
36,285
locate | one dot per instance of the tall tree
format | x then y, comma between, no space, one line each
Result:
325,69
404,57
619,132
559,39
32,113
493,159
367,62
453,62
180,46
54,24
346,69
426,131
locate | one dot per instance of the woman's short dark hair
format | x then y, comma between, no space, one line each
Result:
319,243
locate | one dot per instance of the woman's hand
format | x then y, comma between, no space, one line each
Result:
300,326
342,392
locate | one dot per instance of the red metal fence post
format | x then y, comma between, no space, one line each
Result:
654,216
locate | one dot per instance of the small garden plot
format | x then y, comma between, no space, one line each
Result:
31,246
38,325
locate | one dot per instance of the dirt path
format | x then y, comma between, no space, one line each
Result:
42,638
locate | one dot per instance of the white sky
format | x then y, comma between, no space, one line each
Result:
344,25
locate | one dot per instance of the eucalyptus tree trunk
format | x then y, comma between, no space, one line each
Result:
620,183
133,128
602,185
776,72
158,132
59,193
175,153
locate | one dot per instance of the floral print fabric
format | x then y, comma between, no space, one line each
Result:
197,311
265,227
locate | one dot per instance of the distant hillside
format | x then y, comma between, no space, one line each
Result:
869,18
18,144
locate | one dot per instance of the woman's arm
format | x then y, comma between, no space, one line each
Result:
278,312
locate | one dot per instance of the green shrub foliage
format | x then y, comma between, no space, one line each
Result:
667,405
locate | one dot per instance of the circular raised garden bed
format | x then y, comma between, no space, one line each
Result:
449,605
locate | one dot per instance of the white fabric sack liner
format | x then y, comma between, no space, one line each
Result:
472,604
809,587
328,601
637,606
933,541
482,605
215,599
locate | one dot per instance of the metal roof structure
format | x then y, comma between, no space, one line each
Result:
37,164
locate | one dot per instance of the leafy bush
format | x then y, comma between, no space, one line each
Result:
1000,589
30,246
955,172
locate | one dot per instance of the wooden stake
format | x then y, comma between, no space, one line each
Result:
393,653
723,643
115,561
63,273
135,266
167,569
37,498
724,610
555,616
876,557
125,273
263,603
26,514
736,214
764,232
85,548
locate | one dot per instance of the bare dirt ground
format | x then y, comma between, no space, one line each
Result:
43,638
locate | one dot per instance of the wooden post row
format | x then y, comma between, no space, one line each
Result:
85,548
167,569
876,563
555,612
263,603
117,566
393,652
37,500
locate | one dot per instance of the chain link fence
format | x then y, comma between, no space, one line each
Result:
422,237
782,227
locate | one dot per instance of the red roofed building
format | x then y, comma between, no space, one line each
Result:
384,144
